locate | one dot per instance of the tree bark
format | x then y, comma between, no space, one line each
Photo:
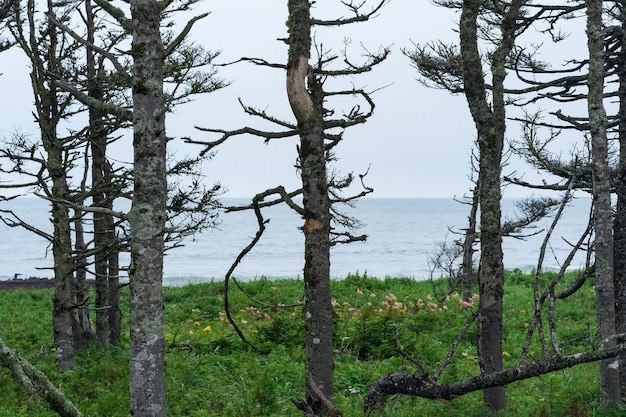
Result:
48,112
98,143
306,104
468,249
148,213
619,227
490,126
36,383
603,217
83,332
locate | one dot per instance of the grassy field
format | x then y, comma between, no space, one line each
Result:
210,372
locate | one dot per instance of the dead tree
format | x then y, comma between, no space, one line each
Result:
315,126
460,69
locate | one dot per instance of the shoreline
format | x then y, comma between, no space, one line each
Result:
31,283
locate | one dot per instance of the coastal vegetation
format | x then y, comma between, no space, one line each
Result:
381,326
302,342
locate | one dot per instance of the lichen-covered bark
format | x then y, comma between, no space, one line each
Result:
306,103
619,227
603,217
35,382
490,126
147,215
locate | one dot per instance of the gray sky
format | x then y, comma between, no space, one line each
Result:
417,144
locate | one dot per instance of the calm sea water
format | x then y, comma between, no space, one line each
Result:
402,235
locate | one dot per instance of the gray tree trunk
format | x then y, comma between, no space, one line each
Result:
48,112
307,108
619,227
490,126
148,213
83,332
98,143
603,217
468,248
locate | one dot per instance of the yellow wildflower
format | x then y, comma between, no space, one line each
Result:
196,323
207,329
505,354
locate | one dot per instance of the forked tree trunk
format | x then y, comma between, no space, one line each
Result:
490,127
603,217
147,215
306,103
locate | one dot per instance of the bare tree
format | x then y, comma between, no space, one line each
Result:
48,53
315,126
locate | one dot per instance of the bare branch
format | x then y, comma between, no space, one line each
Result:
181,36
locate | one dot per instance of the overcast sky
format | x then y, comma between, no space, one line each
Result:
417,144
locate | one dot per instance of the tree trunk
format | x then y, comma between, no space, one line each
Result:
98,143
63,276
48,118
490,126
603,220
147,215
307,108
619,228
468,249
83,332
115,314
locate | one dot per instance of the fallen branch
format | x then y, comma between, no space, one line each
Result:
36,383
403,382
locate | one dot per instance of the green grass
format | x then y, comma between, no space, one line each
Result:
213,373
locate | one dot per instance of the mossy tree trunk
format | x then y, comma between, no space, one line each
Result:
305,95
490,127
603,216
148,213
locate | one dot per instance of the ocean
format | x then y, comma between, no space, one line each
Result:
403,235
